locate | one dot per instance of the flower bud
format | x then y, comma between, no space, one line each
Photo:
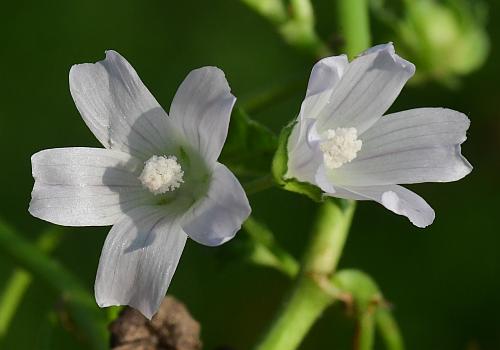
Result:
446,41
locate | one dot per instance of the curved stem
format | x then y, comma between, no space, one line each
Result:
20,280
80,303
389,329
267,251
304,306
308,299
365,331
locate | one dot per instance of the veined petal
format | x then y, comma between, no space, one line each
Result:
303,159
84,186
395,198
201,110
118,108
324,77
220,214
415,128
434,164
138,260
420,145
367,89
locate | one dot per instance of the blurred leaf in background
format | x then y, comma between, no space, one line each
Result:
446,39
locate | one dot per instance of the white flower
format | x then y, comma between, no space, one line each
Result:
157,180
344,145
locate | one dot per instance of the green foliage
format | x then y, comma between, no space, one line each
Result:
79,304
249,147
280,168
445,39
265,251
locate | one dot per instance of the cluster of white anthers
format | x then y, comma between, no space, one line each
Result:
157,180
343,144
162,174
340,146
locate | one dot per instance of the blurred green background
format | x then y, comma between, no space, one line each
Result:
444,281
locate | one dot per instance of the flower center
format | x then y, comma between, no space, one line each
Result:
162,174
340,146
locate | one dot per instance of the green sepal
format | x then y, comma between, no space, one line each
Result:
280,168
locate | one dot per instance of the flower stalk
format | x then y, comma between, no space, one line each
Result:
389,330
308,298
353,16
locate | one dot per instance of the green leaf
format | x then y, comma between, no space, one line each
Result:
249,147
280,168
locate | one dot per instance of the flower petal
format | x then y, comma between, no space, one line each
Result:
367,89
324,77
218,216
118,108
201,110
303,158
415,128
395,198
420,145
84,186
138,260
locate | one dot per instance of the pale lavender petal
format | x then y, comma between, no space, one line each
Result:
138,260
221,212
85,186
367,89
420,145
324,77
118,108
201,110
395,198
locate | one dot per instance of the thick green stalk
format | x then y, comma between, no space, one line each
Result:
20,280
329,238
389,329
309,298
353,16
304,306
365,331
80,303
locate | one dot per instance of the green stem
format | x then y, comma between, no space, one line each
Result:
267,251
353,16
79,302
330,236
260,184
389,329
300,32
304,306
365,331
308,298
296,23
20,280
